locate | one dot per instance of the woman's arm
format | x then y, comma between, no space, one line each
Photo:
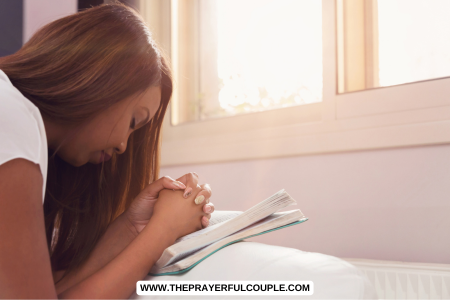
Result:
123,231
173,217
118,236
118,278
25,270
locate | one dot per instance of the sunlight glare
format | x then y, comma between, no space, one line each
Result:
414,40
269,53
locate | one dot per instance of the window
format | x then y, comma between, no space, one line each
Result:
251,56
395,116
418,46
390,42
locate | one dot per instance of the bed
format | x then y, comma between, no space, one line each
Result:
333,278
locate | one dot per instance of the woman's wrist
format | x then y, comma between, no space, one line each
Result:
125,220
167,236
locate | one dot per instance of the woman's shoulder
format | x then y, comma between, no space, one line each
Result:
19,117
14,105
22,131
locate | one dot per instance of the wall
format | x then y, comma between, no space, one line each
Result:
11,26
391,204
38,13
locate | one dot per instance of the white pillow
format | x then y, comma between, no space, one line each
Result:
333,278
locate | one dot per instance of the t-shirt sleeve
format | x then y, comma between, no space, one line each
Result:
19,130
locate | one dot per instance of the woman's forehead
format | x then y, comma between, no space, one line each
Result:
150,97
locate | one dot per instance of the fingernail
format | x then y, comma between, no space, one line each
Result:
178,184
187,192
199,199
206,220
208,208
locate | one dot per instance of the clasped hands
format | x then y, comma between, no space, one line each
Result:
141,209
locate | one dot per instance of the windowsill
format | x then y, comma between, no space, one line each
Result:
298,140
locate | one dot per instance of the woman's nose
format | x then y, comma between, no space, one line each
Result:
121,148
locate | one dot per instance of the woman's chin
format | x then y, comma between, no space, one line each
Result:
76,162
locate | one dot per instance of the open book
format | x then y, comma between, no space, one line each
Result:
225,228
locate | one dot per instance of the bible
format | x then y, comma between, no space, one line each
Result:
225,228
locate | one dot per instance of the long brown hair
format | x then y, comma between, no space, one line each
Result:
72,69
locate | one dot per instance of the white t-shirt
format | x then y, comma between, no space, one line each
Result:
22,131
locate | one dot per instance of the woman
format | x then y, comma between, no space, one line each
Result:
81,108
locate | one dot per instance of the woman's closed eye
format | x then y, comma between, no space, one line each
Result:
133,123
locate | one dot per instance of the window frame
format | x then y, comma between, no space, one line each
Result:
411,114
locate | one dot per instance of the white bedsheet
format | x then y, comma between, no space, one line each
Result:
333,278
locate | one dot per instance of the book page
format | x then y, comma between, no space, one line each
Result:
226,227
266,220
182,255
222,216
235,221
218,218
273,221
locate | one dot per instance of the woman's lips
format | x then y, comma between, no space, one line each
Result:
104,156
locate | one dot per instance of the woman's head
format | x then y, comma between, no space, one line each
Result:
106,134
94,76
83,65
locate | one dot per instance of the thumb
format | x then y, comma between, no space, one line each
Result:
165,182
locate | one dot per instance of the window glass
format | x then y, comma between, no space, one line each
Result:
414,40
268,55
390,42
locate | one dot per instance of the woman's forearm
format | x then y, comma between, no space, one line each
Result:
117,237
117,279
